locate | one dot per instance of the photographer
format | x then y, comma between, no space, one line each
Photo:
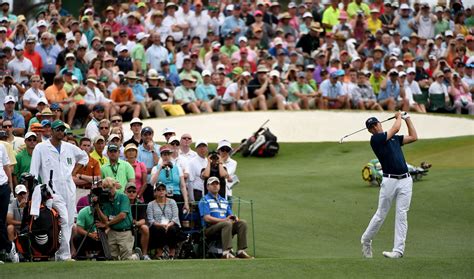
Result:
236,95
215,168
172,176
138,209
15,211
115,215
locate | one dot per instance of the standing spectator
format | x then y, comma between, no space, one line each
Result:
111,21
97,154
34,95
225,148
16,142
33,55
131,152
358,5
425,22
196,165
23,158
117,169
9,88
16,118
49,55
71,67
200,22
124,42
156,53
89,174
92,128
233,24
136,128
178,26
55,93
138,212
64,160
124,62
138,54
148,151
403,22
331,16
21,67
220,221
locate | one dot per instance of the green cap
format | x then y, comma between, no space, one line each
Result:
237,71
57,124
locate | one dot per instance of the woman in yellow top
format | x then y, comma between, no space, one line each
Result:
459,26
373,22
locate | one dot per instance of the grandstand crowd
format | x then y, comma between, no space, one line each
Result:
136,60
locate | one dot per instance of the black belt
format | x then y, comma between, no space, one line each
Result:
121,230
397,176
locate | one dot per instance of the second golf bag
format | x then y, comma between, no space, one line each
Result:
39,237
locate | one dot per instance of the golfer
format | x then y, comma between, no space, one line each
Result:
64,159
396,183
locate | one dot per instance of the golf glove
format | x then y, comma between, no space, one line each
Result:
405,115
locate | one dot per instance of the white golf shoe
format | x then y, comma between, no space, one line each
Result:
367,249
392,255
13,255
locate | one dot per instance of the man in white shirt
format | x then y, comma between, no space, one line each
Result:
156,26
92,128
195,167
224,148
156,53
124,41
178,26
94,96
200,22
21,67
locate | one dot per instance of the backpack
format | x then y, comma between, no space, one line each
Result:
262,144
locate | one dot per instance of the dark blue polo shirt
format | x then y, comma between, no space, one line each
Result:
389,153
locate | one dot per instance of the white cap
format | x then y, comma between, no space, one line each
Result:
70,54
393,71
245,74
42,23
278,41
431,57
292,5
109,40
18,47
3,28
243,39
399,63
404,7
20,188
136,120
307,14
411,70
140,36
43,100
152,72
74,78
168,130
199,142
230,7
122,48
223,143
355,58
438,9
448,33
274,73
173,138
92,80
113,136
9,98
220,66
30,134
401,74
88,10
206,73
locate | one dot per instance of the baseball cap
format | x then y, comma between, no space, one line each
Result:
172,139
45,122
200,142
8,99
57,124
411,70
130,184
206,73
20,188
140,36
147,130
130,146
370,122
212,179
159,185
30,134
404,7
113,136
274,73
136,120
223,143
168,130
165,148
393,72
111,147
98,108
96,139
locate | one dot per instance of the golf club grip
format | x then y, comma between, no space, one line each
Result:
393,117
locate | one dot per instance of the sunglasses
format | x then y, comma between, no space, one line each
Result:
131,191
175,143
186,138
104,128
36,80
54,110
31,139
7,126
225,150
160,189
113,151
116,121
60,129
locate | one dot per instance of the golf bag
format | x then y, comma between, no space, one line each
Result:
262,143
372,172
39,237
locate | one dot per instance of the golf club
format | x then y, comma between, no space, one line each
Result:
363,129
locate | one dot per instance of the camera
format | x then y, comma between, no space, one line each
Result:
213,156
103,195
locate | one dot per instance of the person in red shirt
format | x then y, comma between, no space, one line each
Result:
33,55
244,59
110,21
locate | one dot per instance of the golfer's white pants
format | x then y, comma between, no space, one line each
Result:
392,189
66,209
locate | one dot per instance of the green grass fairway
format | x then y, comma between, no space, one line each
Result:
311,207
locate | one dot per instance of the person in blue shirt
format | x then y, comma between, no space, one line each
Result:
392,95
16,118
218,220
207,92
331,91
139,92
148,151
396,184
234,24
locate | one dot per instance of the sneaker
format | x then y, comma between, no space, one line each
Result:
243,255
367,250
146,258
139,253
13,255
171,258
134,257
392,255
69,260
228,256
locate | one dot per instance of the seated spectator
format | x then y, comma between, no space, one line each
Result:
363,96
15,211
123,99
71,67
16,118
131,151
415,88
97,154
92,128
157,94
44,112
56,94
438,88
184,95
88,174
95,97
302,95
172,176
236,95
392,96
139,93
219,221
259,91
116,217
331,90
459,92
20,66
138,210
206,92
163,219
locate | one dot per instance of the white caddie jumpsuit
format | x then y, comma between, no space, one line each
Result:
46,158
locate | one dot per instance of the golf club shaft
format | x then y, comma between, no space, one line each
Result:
393,117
